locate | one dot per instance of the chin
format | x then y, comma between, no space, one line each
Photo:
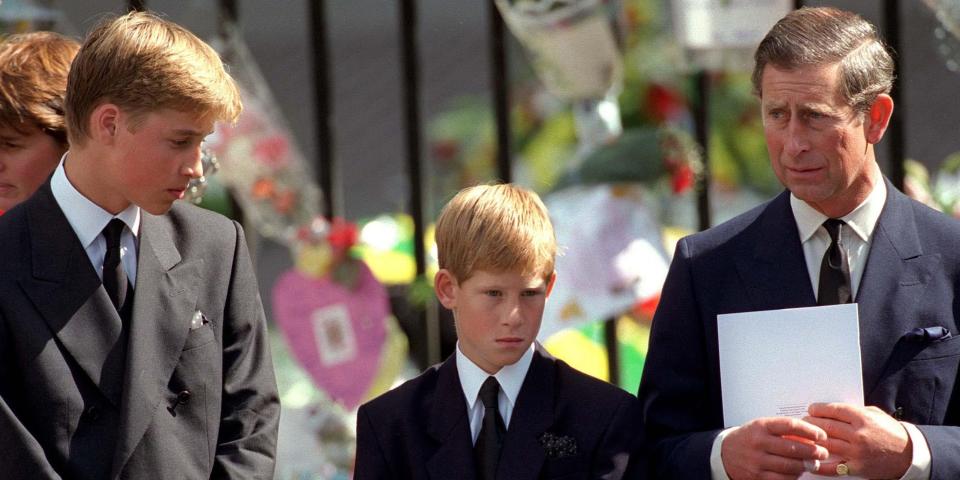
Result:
157,209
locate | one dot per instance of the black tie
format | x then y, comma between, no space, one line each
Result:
487,449
114,276
834,271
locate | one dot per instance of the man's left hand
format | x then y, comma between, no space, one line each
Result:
871,443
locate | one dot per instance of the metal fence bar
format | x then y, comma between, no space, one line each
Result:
411,109
227,17
895,132
501,92
701,123
323,110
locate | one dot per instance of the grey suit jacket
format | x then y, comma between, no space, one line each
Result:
175,403
756,262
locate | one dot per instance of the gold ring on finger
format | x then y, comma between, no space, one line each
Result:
843,470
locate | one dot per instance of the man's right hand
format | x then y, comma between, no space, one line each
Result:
759,450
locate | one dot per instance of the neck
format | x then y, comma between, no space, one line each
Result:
83,167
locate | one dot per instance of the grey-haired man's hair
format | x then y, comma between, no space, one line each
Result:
823,36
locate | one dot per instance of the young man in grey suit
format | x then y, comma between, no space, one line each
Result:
840,233
132,338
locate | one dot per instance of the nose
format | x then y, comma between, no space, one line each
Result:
513,315
193,168
796,141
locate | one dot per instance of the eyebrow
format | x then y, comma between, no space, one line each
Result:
191,132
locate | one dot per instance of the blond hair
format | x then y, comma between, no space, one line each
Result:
497,228
33,79
143,63
825,35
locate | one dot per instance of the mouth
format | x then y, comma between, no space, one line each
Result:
804,171
509,341
176,193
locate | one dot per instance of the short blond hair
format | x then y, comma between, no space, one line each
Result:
143,63
33,80
497,228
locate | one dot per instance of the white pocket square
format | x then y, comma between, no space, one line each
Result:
198,320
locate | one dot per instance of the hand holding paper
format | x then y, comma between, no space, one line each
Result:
777,445
871,443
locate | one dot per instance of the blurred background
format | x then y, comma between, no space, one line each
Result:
634,120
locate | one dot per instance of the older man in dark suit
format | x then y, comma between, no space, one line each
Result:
840,233
132,338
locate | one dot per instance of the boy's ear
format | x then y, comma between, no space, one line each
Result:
105,123
550,282
445,285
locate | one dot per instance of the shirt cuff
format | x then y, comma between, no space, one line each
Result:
920,464
716,463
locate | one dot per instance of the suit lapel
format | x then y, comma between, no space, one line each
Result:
165,298
893,282
449,426
67,292
522,456
772,264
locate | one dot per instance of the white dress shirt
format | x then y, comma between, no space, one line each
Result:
88,221
815,240
510,378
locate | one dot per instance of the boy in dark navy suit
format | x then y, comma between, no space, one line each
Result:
500,407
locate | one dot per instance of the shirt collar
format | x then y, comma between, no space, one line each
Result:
510,377
85,217
862,220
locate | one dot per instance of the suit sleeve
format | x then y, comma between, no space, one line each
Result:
370,463
943,442
250,415
620,443
679,411
21,455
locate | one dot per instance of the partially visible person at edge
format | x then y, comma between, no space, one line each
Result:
839,233
33,80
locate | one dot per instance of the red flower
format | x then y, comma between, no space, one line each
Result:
682,178
664,104
271,150
646,308
263,187
343,234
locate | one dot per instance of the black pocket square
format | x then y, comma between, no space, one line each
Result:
558,446
928,334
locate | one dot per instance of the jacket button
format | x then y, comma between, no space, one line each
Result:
183,397
898,413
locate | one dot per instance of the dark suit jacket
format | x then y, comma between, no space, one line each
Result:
420,430
71,407
756,262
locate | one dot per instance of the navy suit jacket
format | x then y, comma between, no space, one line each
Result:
420,430
756,262
181,402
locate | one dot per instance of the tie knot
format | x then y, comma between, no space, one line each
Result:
489,391
112,232
832,225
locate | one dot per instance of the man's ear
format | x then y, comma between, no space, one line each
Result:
446,287
105,123
878,118
550,282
